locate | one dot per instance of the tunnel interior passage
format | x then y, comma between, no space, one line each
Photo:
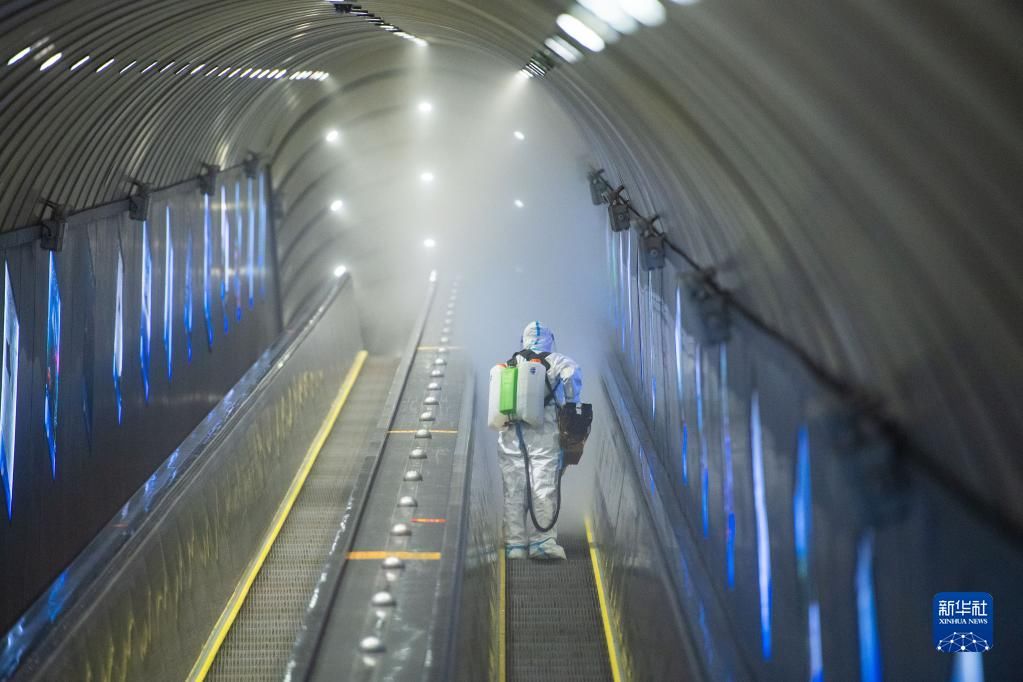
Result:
782,241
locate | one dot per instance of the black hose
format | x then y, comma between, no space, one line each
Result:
529,485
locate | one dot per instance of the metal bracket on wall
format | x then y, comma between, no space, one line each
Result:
652,255
711,304
868,456
138,201
597,185
208,178
618,212
251,164
51,233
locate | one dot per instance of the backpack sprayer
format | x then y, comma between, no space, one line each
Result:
520,392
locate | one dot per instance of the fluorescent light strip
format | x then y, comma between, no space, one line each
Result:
563,49
581,33
51,61
19,56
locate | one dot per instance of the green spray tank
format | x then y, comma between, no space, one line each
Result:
517,394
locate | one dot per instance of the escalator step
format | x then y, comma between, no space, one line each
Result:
555,630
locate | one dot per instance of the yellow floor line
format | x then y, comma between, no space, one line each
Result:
223,626
360,555
502,619
612,649
431,430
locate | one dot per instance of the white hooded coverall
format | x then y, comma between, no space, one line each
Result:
545,456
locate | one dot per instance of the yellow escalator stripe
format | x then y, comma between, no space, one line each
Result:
612,649
502,616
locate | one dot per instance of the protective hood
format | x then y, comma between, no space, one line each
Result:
537,337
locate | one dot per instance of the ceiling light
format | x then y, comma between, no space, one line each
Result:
519,135
563,49
336,205
648,12
105,65
580,32
129,66
51,61
198,69
19,56
333,136
429,242
426,176
420,42
612,12
425,107
80,62
339,271
518,203
523,74
145,69
166,67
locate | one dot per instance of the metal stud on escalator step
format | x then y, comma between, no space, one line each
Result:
393,563
433,386
444,339
431,400
401,529
440,361
413,475
418,453
371,645
423,433
445,330
407,501
382,598
426,416
437,373
442,349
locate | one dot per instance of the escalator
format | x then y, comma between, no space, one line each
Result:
332,520
555,628
259,641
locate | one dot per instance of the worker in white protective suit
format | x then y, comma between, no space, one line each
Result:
522,538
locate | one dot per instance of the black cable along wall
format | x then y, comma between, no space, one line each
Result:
101,458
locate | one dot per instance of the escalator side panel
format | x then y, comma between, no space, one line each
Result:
147,613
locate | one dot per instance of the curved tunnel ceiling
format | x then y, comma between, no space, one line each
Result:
850,170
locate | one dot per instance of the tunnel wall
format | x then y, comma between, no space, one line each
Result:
797,544
110,433
141,602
